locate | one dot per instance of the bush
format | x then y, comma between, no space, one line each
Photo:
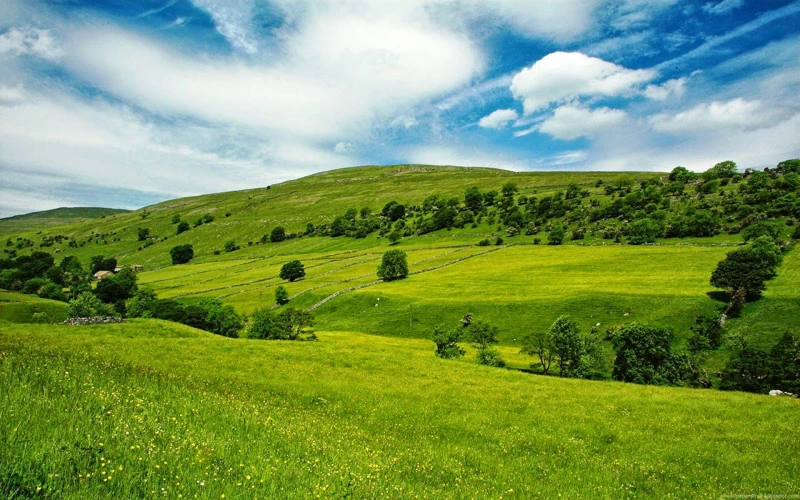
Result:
643,231
644,356
32,286
748,268
289,324
121,286
556,236
143,233
567,344
53,292
762,228
281,295
277,235
221,319
230,246
182,227
293,271
447,340
141,305
393,266
490,357
181,254
87,305
394,237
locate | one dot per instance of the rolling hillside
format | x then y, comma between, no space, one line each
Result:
37,221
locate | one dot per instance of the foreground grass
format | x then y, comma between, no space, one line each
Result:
149,408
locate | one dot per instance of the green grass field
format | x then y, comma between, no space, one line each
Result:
150,408
37,221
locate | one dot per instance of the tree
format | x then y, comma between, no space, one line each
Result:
141,305
762,228
484,336
540,344
722,170
567,344
119,287
143,233
281,295
221,319
473,199
289,324
53,292
784,364
100,263
747,370
176,218
643,231
395,236
447,340
788,166
644,355
393,265
293,270
707,334
556,236
181,254
230,246
277,235
510,188
87,305
749,267
682,175
183,226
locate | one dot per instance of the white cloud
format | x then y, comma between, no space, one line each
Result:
675,87
233,20
562,20
570,122
498,119
30,41
465,156
344,147
563,76
720,116
338,76
11,95
723,7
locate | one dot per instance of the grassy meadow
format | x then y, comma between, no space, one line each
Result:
150,408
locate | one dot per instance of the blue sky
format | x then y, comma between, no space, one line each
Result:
123,104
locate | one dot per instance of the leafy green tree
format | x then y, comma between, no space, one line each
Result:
289,324
277,235
230,246
762,228
87,305
510,188
100,263
281,295
183,226
644,355
394,265
784,364
722,170
221,319
143,233
52,291
484,336
643,231
176,218
707,334
473,199
567,344
788,166
119,287
142,304
682,175
446,340
365,213
540,344
395,236
556,236
181,254
749,267
293,271
747,369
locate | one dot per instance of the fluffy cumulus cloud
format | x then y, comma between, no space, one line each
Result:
570,122
498,119
562,76
29,41
671,88
721,116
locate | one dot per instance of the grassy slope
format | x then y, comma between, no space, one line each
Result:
36,221
317,199
150,408
19,308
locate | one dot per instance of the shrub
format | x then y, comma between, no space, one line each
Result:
181,254
143,233
644,355
394,237
230,246
293,270
567,344
176,219
121,286
53,292
141,305
221,319
289,324
748,268
87,305
182,227
277,235
447,340
281,295
556,236
393,266
490,357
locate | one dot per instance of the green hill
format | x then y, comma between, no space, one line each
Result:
152,408
36,221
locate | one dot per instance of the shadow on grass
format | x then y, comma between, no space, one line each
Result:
719,296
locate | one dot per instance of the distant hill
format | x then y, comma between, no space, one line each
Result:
55,217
